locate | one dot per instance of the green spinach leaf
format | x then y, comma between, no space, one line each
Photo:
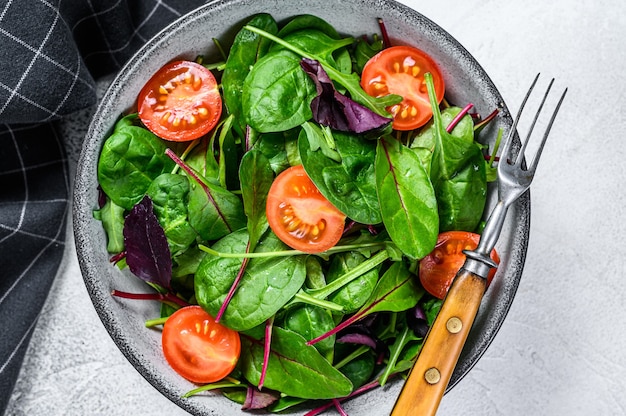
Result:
311,321
350,184
112,217
169,194
256,176
130,159
408,202
246,50
268,282
214,211
294,369
353,295
277,93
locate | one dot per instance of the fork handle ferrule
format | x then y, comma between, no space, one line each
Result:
478,263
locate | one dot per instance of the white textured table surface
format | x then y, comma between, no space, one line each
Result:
560,350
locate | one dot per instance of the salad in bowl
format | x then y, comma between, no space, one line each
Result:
269,219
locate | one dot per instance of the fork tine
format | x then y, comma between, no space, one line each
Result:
520,155
509,140
535,161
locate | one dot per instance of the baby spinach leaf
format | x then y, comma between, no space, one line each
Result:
112,217
246,50
360,369
169,194
351,81
425,142
294,369
349,185
203,159
130,159
311,321
308,21
458,171
268,282
408,202
256,176
273,146
353,295
315,277
147,253
341,57
187,262
337,111
461,200
315,42
364,50
277,94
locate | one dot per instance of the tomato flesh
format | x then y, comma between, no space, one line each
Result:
198,348
180,102
400,70
300,215
438,269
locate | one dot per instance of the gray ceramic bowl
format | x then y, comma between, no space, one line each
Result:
191,35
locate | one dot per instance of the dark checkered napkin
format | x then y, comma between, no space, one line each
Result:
50,53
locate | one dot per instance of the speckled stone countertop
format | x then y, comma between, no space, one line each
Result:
559,351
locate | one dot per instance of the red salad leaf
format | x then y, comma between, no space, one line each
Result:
147,253
335,110
256,399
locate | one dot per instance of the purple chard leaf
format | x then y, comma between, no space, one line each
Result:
147,252
335,110
256,399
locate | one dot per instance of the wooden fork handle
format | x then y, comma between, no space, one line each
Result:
427,381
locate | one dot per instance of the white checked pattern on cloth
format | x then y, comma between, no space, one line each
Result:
50,53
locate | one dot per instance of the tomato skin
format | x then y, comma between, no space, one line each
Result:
300,215
180,102
400,70
198,348
438,269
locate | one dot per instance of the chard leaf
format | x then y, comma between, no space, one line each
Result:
333,109
396,291
147,252
256,399
256,176
408,202
294,369
213,211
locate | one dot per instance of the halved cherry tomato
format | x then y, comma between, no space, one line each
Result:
197,347
400,70
180,102
300,215
438,269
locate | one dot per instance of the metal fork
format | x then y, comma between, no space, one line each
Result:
431,373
